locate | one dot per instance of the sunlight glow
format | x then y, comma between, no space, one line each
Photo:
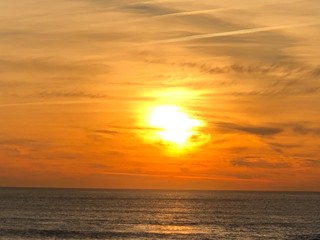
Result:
176,126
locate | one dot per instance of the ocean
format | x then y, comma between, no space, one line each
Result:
157,214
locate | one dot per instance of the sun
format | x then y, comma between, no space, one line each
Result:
175,126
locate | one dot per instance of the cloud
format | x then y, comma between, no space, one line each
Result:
21,146
249,176
256,162
91,95
17,141
303,130
136,128
106,131
278,79
72,94
194,177
35,103
148,9
283,69
61,98
47,65
255,130
270,93
237,38
280,147
310,163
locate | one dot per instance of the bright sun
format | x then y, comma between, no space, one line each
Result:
176,126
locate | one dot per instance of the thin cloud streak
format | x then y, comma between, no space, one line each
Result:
182,176
188,13
45,103
233,33
159,1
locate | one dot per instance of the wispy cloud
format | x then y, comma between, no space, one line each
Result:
106,131
43,103
255,130
184,176
74,94
303,129
258,163
312,163
49,65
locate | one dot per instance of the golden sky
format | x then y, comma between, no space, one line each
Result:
160,94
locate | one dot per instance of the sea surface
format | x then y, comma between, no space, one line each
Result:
152,214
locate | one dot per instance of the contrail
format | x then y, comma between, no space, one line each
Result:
187,13
233,33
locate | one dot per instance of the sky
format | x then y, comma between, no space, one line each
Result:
81,79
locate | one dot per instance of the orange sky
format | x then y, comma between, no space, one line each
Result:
79,80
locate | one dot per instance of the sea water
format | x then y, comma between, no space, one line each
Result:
157,214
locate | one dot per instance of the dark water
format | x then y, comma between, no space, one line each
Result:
122,214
